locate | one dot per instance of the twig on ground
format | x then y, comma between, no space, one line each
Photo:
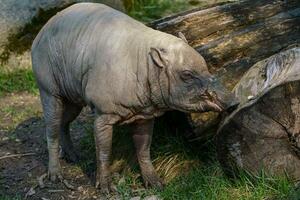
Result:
54,191
17,155
68,185
65,182
41,180
30,192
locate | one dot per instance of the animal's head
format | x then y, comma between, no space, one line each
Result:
185,82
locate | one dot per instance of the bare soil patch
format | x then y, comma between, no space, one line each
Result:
19,175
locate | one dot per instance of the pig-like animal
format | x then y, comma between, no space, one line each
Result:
90,54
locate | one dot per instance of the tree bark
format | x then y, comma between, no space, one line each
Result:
234,36
264,132
237,35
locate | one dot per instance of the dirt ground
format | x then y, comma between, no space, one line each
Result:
19,174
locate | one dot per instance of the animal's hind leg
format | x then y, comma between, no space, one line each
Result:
70,112
53,113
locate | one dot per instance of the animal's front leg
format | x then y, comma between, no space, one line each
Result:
103,139
142,136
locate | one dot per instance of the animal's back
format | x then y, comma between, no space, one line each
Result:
73,41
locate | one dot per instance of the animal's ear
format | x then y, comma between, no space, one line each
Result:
181,36
159,57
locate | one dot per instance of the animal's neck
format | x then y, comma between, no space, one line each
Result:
155,78
156,89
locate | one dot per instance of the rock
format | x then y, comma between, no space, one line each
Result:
264,132
20,21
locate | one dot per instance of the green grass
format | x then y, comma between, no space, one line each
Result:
17,80
149,10
17,114
17,106
209,183
190,170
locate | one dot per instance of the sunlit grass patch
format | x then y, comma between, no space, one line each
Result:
12,115
149,10
17,80
209,182
18,107
18,96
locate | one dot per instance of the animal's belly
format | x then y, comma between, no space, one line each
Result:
142,116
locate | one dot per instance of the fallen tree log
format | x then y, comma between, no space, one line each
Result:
234,36
264,132
237,35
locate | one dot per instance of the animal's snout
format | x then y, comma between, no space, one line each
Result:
227,100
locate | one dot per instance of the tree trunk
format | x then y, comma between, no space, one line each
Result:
234,36
264,132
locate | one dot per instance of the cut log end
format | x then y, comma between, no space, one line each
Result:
264,133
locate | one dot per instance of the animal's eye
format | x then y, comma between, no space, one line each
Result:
186,76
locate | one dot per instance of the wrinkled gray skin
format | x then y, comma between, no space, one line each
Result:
90,54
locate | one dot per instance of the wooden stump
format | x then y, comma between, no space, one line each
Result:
264,132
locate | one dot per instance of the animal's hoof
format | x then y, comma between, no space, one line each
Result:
153,180
155,184
105,186
55,176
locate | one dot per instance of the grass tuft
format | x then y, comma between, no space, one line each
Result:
17,80
209,182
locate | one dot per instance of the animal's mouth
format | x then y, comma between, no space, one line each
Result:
212,101
208,102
